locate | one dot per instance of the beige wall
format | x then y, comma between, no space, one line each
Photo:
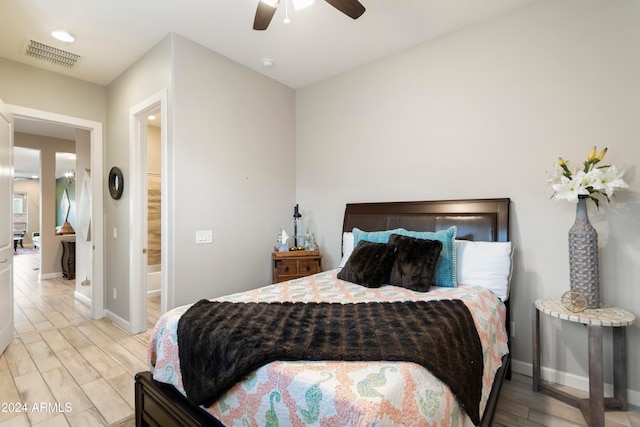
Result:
154,156
485,112
43,90
230,169
151,74
234,172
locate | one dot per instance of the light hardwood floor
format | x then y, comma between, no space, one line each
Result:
81,370
87,366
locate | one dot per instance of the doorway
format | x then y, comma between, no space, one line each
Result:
154,215
93,133
149,247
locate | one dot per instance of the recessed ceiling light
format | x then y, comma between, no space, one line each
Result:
151,117
63,36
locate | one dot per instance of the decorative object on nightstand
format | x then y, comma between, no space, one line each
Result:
281,241
298,238
577,185
595,319
310,241
295,264
574,301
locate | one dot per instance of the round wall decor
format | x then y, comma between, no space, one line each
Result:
116,183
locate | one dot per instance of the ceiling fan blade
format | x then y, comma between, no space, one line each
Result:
264,14
351,8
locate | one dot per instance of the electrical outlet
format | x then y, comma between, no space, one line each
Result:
115,293
205,236
513,329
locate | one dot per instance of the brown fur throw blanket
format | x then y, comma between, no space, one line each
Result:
220,343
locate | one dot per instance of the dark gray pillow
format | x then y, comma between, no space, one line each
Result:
414,266
369,264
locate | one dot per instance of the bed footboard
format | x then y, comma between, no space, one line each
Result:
161,405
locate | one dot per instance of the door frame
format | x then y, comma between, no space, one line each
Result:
139,198
97,185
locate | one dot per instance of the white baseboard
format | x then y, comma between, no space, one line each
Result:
153,294
82,298
50,276
124,324
570,380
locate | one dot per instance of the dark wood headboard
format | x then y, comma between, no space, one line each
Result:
476,219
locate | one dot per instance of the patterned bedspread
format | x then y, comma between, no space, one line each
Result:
341,393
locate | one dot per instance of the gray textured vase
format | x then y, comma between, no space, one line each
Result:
583,257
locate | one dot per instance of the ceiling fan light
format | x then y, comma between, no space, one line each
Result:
301,4
272,3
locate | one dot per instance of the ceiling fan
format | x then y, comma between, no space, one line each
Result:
267,8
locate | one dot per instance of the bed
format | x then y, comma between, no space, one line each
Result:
352,391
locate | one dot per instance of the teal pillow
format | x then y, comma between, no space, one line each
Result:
446,265
373,236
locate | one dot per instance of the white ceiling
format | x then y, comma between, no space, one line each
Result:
319,42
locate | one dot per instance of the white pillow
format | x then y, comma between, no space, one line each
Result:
487,264
347,247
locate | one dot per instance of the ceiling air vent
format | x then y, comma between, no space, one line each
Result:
50,54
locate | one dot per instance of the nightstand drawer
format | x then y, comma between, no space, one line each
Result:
289,265
308,267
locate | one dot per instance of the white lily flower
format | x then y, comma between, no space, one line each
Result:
612,179
555,176
570,189
584,181
593,179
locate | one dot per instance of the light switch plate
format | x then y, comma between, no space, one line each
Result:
204,236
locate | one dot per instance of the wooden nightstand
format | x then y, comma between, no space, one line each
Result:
595,319
295,264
